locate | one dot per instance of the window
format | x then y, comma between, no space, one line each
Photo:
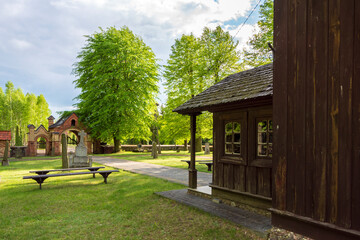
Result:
264,138
73,122
233,138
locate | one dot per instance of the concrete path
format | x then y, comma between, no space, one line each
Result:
172,174
237,215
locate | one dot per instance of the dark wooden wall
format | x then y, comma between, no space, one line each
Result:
245,174
317,110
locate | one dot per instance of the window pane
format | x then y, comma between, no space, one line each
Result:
262,137
262,150
228,148
270,125
237,127
270,137
237,149
228,137
237,137
228,127
262,126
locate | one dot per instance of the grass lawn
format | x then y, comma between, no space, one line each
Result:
81,207
166,158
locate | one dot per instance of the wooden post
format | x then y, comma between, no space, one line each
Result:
65,163
154,153
192,169
5,161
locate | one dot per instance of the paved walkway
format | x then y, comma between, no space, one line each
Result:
239,216
172,174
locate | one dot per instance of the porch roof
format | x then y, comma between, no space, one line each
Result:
253,84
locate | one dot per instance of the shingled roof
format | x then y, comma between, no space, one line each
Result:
61,121
5,135
251,84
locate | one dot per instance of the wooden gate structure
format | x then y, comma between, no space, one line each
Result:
52,136
317,118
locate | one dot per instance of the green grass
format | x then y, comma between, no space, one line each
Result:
166,158
81,207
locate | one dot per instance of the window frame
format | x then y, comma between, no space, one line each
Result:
255,116
268,132
232,142
227,117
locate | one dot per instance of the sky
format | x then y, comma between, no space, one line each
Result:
40,39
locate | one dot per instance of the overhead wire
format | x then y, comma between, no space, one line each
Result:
252,11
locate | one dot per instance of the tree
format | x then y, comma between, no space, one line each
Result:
194,65
219,53
19,110
2,109
182,82
117,74
259,52
42,111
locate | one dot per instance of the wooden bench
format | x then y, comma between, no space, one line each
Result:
207,162
44,172
41,178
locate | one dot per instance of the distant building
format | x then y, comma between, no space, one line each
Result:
4,136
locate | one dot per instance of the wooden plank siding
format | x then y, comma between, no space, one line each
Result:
316,106
355,221
245,173
279,100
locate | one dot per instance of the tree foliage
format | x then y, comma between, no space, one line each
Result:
117,74
259,53
19,110
195,64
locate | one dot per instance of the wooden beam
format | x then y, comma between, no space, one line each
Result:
192,169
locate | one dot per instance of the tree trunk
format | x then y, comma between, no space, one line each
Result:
159,148
65,163
5,161
185,145
154,152
97,146
116,145
198,144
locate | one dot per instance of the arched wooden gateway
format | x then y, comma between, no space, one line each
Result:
242,115
52,136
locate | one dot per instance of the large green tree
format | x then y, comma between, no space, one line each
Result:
18,110
194,65
219,55
117,74
181,82
258,52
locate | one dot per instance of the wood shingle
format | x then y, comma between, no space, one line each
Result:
254,84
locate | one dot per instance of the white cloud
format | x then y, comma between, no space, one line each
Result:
243,34
39,40
21,44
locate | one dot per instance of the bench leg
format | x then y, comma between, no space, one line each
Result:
94,170
40,181
105,176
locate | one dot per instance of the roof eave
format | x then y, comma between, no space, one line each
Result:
252,102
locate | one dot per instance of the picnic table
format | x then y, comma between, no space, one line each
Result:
208,163
43,174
